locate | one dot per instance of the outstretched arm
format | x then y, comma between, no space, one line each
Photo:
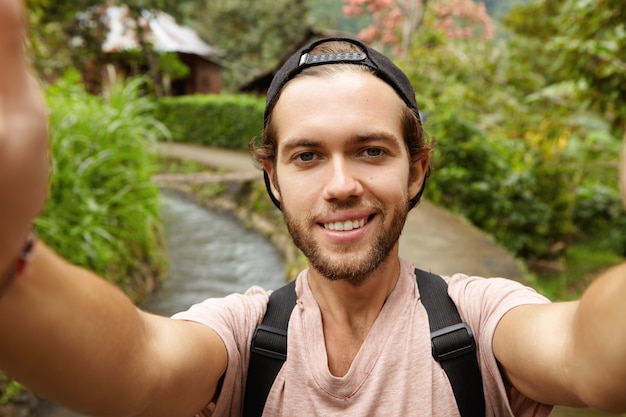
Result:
64,332
78,340
570,353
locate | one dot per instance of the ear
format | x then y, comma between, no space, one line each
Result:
418,175
270,181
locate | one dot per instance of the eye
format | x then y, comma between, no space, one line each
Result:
373,152
305,156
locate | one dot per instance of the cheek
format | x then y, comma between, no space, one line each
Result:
391,182
295,191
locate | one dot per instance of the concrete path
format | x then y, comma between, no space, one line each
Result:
433,238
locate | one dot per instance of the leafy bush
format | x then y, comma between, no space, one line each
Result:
227,121
9,389
102,211
515,154
505,187
599,212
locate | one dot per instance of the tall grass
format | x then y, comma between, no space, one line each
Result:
102,211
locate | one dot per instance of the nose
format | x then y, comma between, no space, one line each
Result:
342,182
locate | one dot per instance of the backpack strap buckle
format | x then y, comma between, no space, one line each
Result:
270,341
452,341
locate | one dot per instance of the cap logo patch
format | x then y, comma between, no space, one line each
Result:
308,59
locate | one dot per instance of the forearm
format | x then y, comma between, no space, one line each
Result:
599,353
71,336
24,157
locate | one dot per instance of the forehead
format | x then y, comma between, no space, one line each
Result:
342,103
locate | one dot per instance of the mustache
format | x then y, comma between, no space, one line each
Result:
333,207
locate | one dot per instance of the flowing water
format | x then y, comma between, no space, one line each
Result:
211,255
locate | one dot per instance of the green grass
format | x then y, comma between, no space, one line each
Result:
567,279
103,209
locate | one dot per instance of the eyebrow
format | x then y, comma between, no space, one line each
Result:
295,143
383,136
377,136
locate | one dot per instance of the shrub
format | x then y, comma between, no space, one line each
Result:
102,212
515,155
519,194
227,121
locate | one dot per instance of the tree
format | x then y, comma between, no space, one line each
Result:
253,35
499,8
588,41
51,24
328,14
395,21
593,42
63,34
516,152
463,19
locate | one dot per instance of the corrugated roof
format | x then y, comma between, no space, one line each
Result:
161,30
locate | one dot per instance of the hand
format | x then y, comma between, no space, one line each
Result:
24,158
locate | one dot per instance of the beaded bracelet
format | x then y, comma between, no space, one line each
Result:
26,254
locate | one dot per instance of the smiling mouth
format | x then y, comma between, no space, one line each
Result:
346,225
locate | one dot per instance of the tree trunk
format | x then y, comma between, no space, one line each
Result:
413,16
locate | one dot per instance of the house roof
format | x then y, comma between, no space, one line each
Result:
161,31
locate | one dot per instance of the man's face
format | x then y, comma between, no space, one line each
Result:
342,171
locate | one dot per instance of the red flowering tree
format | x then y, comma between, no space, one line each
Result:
395,21
463,19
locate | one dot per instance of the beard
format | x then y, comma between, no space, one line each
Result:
346,264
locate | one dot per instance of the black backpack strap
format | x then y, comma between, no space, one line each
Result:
453,344
268,350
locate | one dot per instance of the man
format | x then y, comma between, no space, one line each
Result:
345,159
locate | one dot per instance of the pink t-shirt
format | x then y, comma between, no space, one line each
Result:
394,373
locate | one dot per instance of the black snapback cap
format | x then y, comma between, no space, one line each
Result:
381,66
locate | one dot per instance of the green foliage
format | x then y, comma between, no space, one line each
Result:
499,8
52,25
591,42
585,41
254,36
518,194
328,14
515,152
581,263
599,212
102,212
227,121
9,389
583,46
71,35
172,66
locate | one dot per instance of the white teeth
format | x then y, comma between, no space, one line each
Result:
347,225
